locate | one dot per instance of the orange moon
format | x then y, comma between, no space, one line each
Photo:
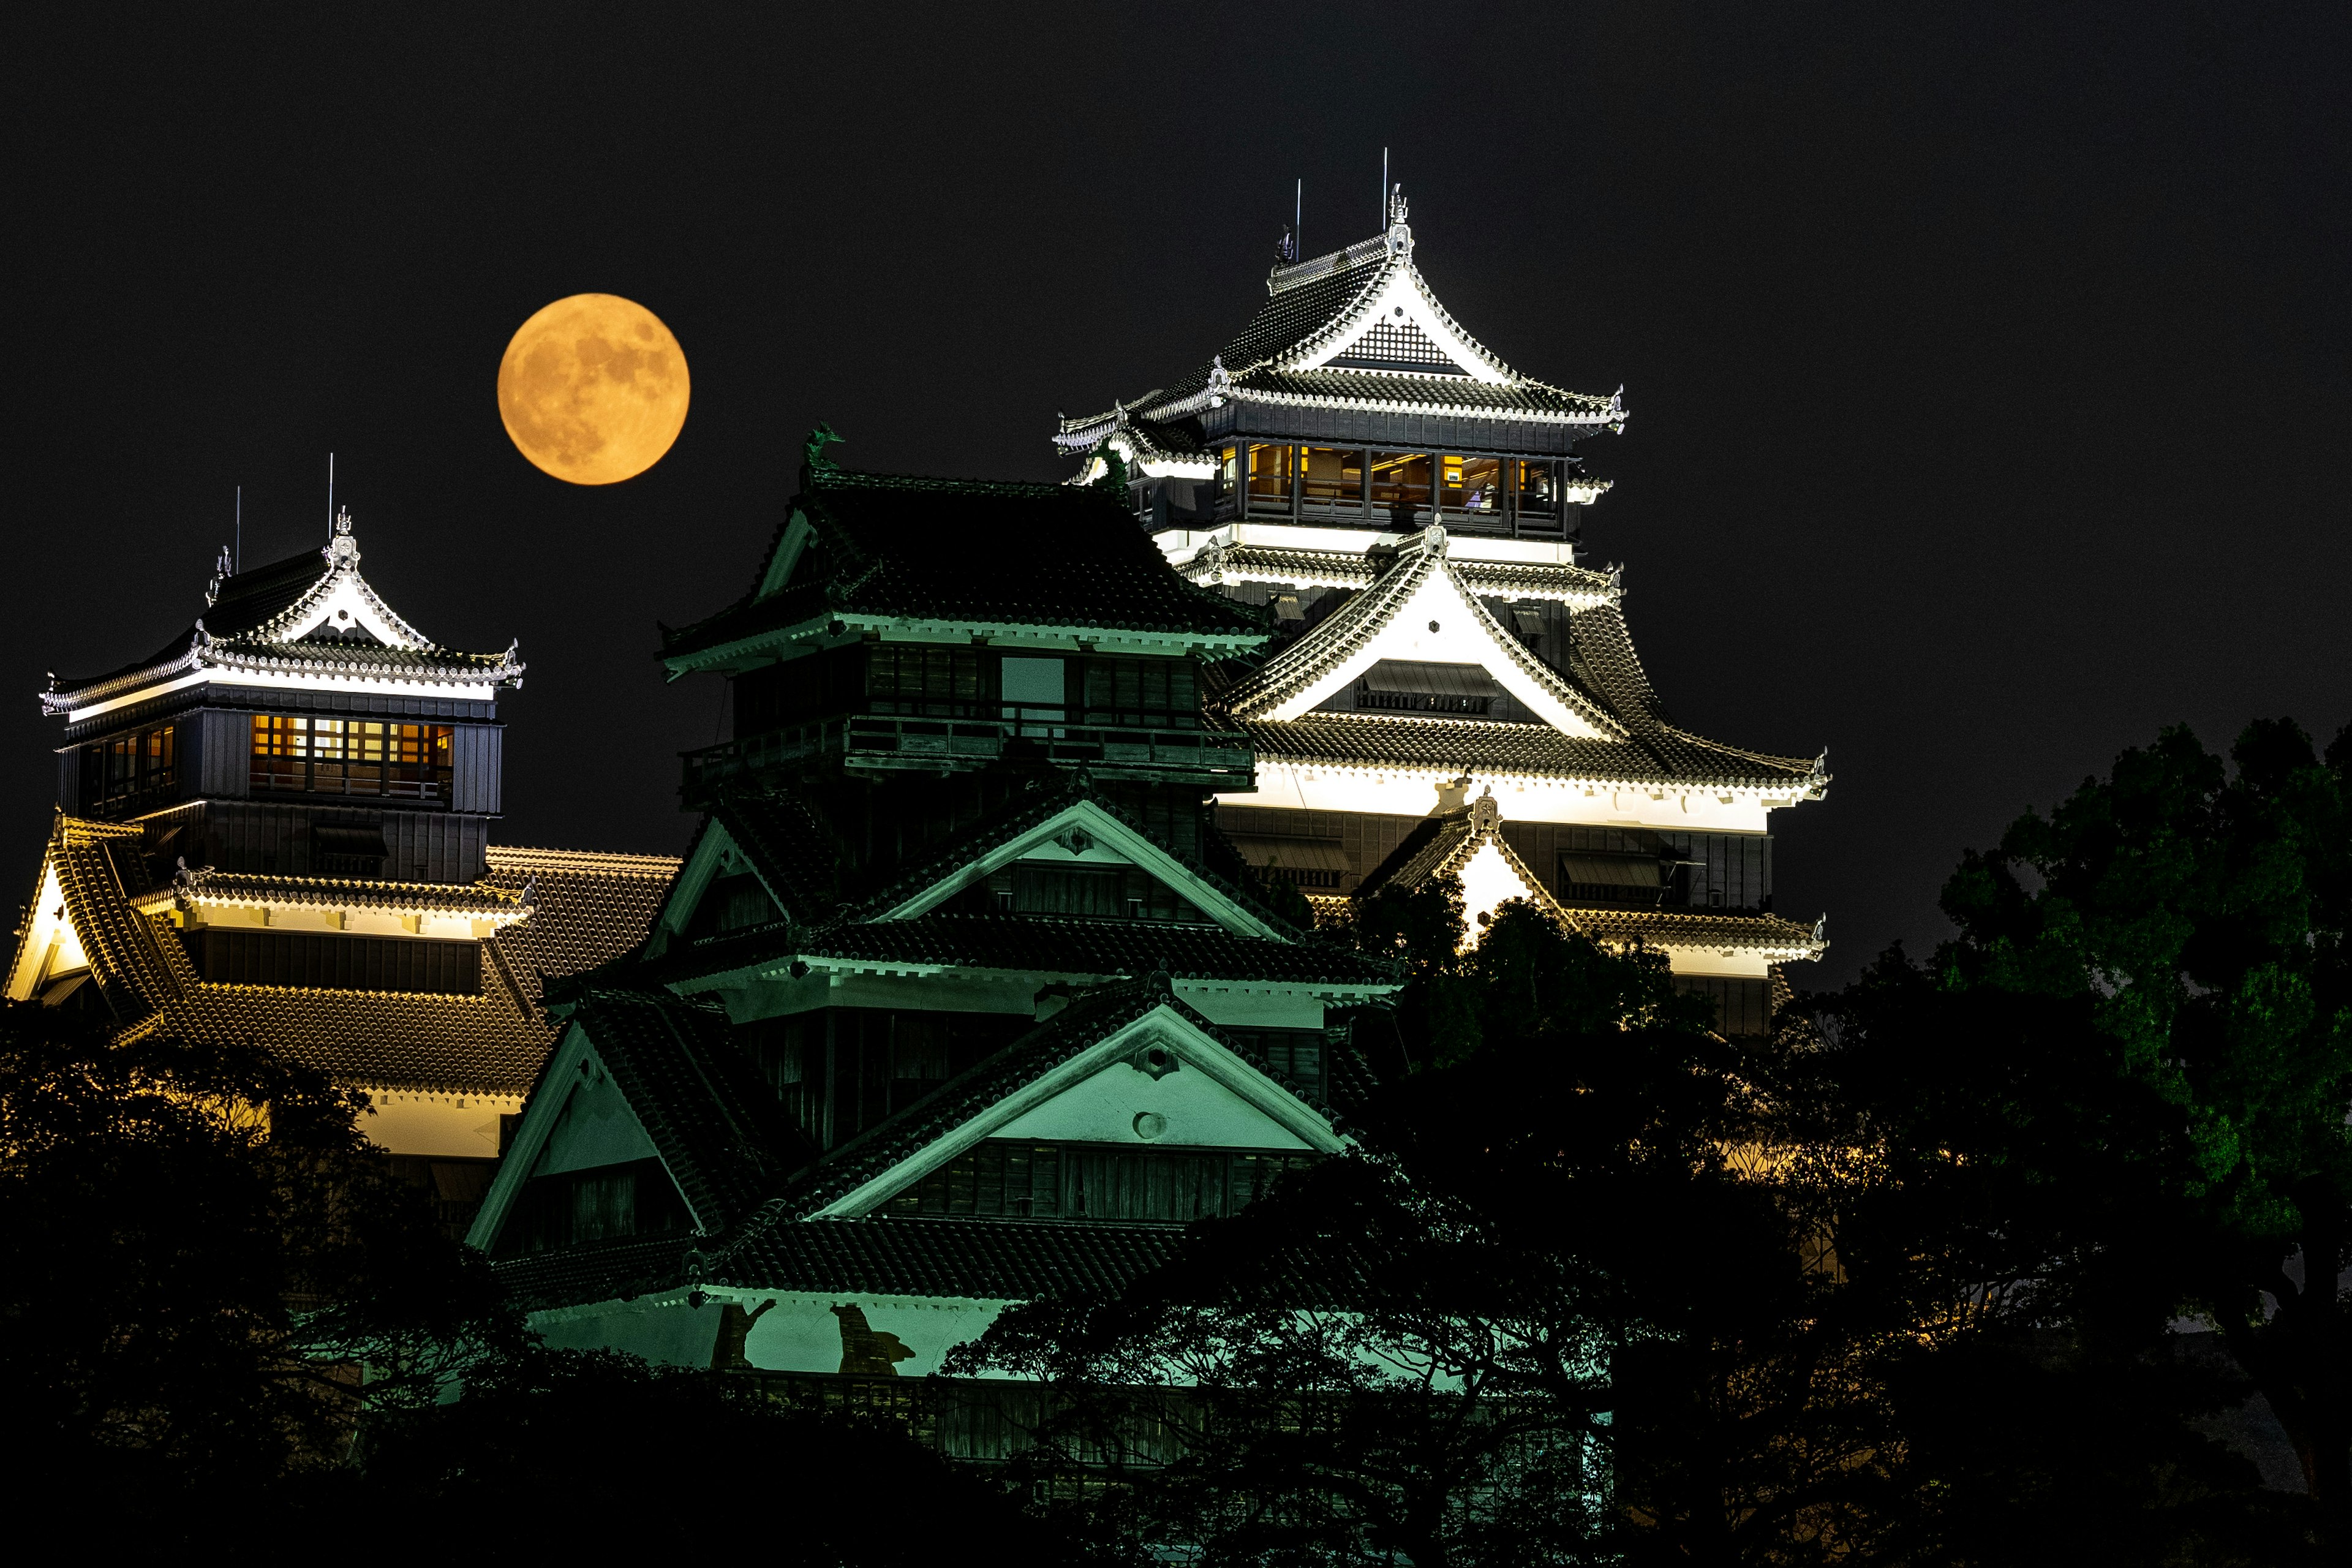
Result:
594,389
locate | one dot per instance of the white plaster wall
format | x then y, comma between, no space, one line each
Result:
800,1332
1411,791
666,1332
445,1125
1197,1111
1253,1006
596,1128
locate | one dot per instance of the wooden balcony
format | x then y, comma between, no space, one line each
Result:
964,737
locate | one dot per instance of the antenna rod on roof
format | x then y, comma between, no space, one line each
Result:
1384,188
236,562
1298,217
330,489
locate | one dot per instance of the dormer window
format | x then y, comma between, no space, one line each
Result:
293,752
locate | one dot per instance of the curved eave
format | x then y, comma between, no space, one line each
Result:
1612,419
849,624
1777,939
1792,786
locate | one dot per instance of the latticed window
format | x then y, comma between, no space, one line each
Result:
1397,344
130,769
350,756
1161,692
901,676
1085,1180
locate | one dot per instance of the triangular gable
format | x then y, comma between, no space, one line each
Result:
1467,843
1419,611
645,1075
1085,833
1080,1093
50,947
1397,324
715,855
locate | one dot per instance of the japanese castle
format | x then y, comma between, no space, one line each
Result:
976,981
276,831
1447,689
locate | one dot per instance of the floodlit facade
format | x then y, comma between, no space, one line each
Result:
275,830
1449,687
957,1000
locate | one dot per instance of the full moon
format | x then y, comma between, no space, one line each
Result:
594,389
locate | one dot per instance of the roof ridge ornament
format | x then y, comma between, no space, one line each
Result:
223,569
813,452
1486,813
1220,380
1400,235
344,554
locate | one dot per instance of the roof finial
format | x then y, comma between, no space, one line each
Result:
1396,204
818,440
345,550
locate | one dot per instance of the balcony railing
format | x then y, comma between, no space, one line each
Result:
960,736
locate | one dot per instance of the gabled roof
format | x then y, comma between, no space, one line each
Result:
1603,722
1454,842
1084,1037
719,1131
307,620
1360,328
874,552
896,918
1419,586
802,1238
585,909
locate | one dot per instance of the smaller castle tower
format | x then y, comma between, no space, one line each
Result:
274,830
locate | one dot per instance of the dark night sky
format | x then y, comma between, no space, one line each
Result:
1987,365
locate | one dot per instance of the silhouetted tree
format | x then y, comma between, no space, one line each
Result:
206,1274
2121,1092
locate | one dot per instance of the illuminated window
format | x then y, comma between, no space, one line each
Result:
1269,474
1470,484
1401,482
350,756
1538,486
131,770
1332,476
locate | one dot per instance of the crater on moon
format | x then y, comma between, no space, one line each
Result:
594,389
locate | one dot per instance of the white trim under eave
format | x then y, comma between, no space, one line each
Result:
1166,1026
236,675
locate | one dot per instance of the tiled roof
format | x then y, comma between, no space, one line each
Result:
1352,569
778,1246
586,912
1082,1023
250,625
1338,636
791,847
974,553
1064,945
1421,394
1709,929
587,909
720,1132
1309,306
210,886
